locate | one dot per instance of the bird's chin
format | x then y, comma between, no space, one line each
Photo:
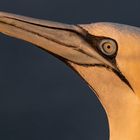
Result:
118,73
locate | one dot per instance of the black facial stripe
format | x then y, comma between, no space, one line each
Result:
118,73
123,78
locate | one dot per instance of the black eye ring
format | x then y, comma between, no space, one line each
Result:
108,47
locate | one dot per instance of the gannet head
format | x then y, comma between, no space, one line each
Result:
106,56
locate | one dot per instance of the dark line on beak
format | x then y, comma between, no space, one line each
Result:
84,34
41,35
81,33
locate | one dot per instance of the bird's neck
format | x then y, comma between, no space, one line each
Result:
124,121
121,105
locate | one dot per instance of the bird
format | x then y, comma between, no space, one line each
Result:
105,55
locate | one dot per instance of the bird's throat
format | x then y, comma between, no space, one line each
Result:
121,105
124,123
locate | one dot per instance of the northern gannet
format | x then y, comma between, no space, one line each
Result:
105,55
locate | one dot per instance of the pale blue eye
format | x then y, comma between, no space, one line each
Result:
108,47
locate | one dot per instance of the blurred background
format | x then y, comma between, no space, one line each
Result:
40,97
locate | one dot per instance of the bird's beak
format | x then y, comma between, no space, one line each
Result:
69,42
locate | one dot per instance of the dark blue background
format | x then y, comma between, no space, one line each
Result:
40,97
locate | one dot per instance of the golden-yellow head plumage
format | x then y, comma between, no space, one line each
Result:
128,56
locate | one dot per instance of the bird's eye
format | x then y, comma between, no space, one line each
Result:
108,47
